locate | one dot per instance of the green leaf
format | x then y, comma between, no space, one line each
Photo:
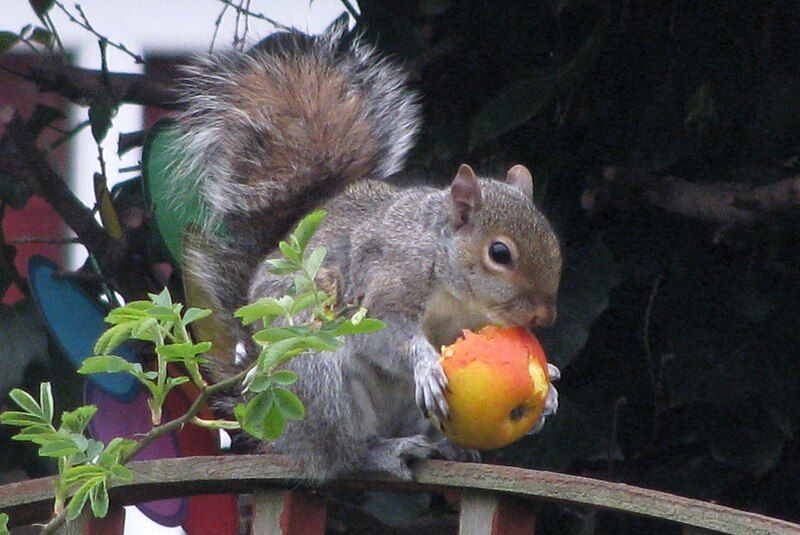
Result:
4,524
251,416
265,307
99,499
274,334
26,402
76,421
275,423
41,7
101,112
8,40
289,252
290,405
146,329
306,228
77,502
163,299
21,419
105,364
46,401
260,383
314,261
273,354
303,302
122,472
183,351
42,36
194,314
76,474
284,377
282,266
113,337
59,447
366,325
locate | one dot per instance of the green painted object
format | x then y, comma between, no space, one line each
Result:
174,208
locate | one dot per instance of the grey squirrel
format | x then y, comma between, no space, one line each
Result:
303,122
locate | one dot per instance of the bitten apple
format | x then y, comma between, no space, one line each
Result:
498,386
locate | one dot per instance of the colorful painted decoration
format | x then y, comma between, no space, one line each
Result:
75,321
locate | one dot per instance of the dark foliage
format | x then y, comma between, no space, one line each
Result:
679,339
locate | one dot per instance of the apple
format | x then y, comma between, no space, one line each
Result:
498,384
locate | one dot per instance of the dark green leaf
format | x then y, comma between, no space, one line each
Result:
76,421
42,36
101,112
275,423
290,405
8,40
41,7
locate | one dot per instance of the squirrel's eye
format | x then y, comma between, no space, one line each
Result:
499,253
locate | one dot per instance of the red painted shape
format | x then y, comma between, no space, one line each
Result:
112,524
303,514
208,514
36,219
513,517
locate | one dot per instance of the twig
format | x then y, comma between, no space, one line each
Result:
258,16
67,135
86,25
217,25
351,9
47,22
614,433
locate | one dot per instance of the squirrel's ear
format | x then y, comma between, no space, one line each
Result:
519,177
466,194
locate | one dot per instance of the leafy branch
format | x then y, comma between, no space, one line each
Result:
301,322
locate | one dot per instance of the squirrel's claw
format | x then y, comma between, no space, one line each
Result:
430,385
551,403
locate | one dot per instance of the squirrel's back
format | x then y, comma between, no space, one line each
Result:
270,133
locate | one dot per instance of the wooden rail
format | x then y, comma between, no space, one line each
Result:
482,488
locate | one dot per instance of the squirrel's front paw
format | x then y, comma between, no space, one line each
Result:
551,403
430,385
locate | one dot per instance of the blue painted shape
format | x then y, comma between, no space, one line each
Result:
76,322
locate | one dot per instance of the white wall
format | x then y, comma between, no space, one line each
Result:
148,27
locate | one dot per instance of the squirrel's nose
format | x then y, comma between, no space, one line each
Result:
543,316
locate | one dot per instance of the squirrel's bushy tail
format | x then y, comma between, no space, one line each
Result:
269,133
294,119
